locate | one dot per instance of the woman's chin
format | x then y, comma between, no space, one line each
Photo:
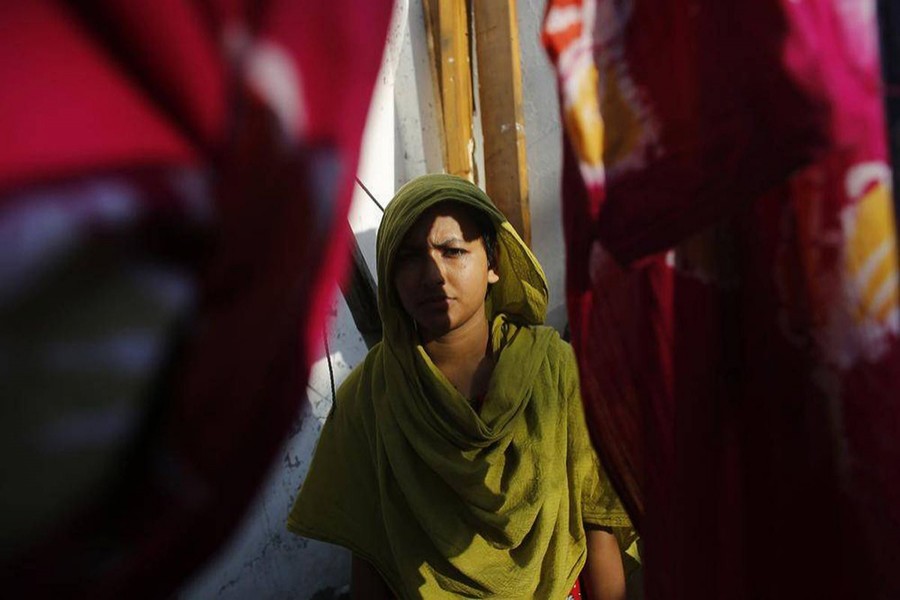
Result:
433,321
433,331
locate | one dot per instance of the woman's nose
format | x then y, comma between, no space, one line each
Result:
432,270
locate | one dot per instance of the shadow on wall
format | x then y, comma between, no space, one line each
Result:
263,560
331,594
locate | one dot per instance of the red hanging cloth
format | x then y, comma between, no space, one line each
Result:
263,105
732,287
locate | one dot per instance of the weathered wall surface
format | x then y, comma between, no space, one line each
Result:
543,136
263,561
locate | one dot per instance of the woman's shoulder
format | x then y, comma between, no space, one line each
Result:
557,353
558,349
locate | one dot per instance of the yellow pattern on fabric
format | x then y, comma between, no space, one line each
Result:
871,258
445,501
582,119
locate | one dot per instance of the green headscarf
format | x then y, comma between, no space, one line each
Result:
445,501
522,291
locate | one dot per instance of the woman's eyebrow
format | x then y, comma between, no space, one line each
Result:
447,242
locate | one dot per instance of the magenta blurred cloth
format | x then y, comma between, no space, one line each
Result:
732,287
233,129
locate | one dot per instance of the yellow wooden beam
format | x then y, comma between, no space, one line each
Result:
502,120
448,31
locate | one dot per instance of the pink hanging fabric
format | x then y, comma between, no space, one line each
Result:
732,287
263,105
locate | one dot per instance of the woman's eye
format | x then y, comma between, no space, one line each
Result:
454,252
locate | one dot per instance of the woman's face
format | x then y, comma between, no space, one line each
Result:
441,270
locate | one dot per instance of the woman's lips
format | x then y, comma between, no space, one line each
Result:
434,301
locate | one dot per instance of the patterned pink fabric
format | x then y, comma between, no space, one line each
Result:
732,287
263,104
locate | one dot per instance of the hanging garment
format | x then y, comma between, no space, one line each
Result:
732,288
444,501
174,176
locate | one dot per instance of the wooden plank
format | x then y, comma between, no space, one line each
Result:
447,24
502,118
360,293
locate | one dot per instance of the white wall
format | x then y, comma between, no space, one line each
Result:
543,136
262,560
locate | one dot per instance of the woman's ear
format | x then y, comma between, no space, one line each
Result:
493,259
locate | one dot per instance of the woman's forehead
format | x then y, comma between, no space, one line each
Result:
441,222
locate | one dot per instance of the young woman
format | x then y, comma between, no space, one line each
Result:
456,461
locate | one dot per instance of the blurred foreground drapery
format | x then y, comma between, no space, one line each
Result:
174,181
732,287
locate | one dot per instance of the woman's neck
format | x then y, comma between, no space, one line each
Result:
464,357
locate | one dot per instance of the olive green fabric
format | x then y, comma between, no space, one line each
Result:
444,501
